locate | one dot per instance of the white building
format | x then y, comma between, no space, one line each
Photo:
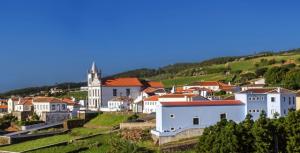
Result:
19,104
100,92
150,104
51,109
24,105
120,104
173,118
272,100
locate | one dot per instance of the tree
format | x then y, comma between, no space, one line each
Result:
292,80
263,134
245,135
292,128
275,75
261,71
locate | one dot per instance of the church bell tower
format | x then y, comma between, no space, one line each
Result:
94,88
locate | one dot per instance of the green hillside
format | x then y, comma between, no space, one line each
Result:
236,69
226,72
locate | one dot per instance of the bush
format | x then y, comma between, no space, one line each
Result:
133,118
261,72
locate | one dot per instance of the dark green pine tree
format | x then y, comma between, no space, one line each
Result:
263,132
292,127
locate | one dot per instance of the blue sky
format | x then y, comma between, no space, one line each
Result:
44,42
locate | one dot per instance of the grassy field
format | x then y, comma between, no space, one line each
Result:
188,80
243,65
78,95
75,133
108,119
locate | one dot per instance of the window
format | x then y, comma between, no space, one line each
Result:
284,111
289,100
257,110
63,106
272,99
283,99
127,92
293,100
172,115
195,121
250,111
172,129
53,107
114,92
223,116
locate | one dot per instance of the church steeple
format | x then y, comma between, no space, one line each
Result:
94,68
94,75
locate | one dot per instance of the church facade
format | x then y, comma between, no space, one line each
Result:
100,91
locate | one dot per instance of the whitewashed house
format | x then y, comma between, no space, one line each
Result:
51,109
187,119
150,104
120,104
272,100
175,120
19,104
72,106
214,86
24,105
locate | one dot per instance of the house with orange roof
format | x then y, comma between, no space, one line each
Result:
24,105
100,91
50,109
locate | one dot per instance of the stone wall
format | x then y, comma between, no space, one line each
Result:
4,140
54,117
21,115
137,125
190,133
86,115
70,124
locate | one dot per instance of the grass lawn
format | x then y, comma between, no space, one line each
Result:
37,143
108,119
75,133
98,144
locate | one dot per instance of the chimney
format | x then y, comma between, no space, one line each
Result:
278,89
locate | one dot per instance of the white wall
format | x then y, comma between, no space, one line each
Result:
107,93
183,116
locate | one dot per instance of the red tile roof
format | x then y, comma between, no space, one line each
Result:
153,90
68,101
48,99
123,82
26,101
152,98
3,106
203,103
177,95
155,84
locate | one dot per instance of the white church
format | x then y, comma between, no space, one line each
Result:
112,94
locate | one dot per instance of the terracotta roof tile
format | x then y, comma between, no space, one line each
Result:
152,98
3,106
48,99
123,82
203,103
177,95
155,84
